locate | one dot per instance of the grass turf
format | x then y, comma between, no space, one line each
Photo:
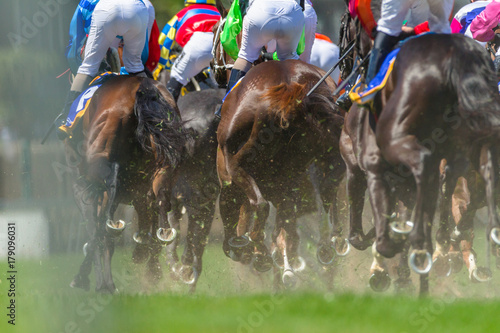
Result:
45,303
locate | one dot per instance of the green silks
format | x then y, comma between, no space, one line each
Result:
232,27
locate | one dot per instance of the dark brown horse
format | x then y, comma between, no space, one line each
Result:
197,186
125,150
269,134
441,102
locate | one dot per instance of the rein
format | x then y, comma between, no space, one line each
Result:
225,66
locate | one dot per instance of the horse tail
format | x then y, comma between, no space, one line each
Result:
287,101
159,127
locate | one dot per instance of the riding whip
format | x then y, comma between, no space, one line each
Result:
354,72
331,69
52,127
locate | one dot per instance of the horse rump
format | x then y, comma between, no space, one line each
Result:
159,126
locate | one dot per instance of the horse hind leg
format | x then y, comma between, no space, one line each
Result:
87,202
105,235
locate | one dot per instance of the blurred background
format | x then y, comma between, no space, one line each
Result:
35,188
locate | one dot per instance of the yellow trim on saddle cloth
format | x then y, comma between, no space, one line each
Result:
79,115
101,75
364,97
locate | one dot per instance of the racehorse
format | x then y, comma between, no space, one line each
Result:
269,134
451,111
197,186
125,149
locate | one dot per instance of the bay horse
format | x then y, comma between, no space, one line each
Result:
197,186
125,150
441,102
268,136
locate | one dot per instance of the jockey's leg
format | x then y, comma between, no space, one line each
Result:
241,67
174,87
439,13
393,13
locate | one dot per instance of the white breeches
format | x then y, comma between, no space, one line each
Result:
394,12
111,18
195,56
281,20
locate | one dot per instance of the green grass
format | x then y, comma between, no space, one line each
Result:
230,299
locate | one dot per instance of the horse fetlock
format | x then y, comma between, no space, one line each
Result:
82,282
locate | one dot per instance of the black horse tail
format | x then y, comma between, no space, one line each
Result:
473,77
159,127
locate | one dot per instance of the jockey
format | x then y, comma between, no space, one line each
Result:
191,28
485,26
325,54
265,20
389,26
99,24
463,18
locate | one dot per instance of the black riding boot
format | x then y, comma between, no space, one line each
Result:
382,46
174,87
236,74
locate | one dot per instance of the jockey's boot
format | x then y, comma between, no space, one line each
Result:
382,46
174,87
234,77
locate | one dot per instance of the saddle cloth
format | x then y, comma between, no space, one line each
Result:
366,96
81,103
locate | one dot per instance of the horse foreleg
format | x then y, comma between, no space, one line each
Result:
489,170
162,188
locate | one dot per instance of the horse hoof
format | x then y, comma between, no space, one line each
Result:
420,261
167,236
442,266
278,259
481,274
239,242
188,274
358,243
380,281
399,231
495,235
262,262
342,246
80,282
456,262
299,265
325,254
289,279
115,228
85,249
142,238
